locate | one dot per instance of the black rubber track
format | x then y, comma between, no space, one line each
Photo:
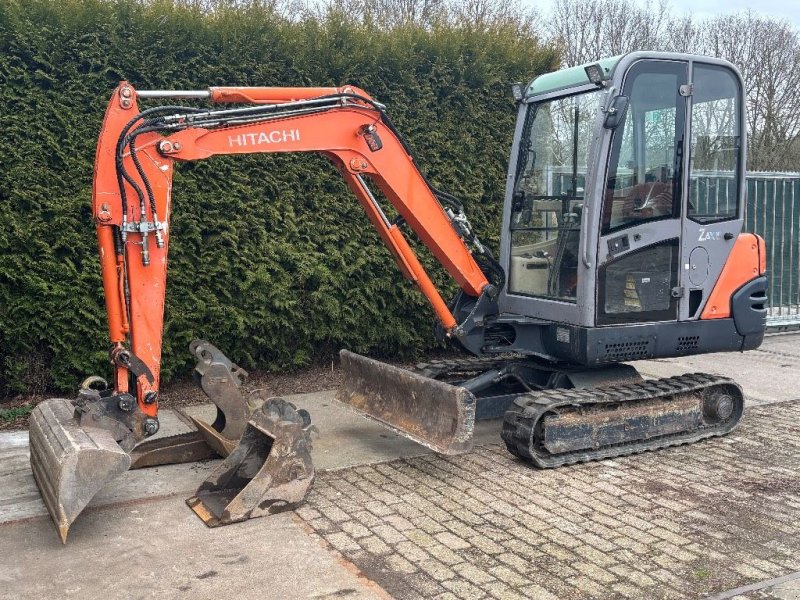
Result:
523,421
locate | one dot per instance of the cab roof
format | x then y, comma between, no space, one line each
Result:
567,78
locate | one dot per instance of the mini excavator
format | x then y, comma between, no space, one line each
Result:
621,240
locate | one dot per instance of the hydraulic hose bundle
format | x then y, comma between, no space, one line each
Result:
176,118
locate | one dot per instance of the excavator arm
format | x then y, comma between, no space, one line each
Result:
133,182
79,445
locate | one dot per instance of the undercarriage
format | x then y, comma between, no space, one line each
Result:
553,415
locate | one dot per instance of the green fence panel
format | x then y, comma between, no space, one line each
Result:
773,213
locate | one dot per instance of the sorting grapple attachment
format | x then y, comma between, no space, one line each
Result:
220,380
70,463
430,412
269,471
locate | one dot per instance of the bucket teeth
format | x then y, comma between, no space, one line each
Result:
269,471
70,463
430,412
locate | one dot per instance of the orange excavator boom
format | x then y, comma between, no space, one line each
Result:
343,124
136,154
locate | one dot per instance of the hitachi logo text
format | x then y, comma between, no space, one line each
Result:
264,137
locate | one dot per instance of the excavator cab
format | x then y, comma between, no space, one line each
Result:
621,240
627,197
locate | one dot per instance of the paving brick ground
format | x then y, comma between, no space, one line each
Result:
685,522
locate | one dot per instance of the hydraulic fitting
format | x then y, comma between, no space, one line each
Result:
145,249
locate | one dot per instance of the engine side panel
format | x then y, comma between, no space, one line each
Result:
747,261
624,343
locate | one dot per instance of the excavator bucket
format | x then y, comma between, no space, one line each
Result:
430,412
268,472
78,446
70,462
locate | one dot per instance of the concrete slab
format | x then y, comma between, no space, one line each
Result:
20,498
787,590
346,438
162,550
13,439
786,587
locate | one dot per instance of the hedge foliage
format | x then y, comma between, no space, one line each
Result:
271,257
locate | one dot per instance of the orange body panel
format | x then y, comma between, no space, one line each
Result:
746,261
337,133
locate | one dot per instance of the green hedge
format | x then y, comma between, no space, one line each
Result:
271,257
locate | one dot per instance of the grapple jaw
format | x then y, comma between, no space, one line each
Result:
435,414
70,462
269,471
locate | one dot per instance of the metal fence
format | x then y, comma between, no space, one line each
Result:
772,211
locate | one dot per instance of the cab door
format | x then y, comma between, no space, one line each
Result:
713,204
545,207
639,275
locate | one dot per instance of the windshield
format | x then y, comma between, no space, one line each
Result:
555,147
549,194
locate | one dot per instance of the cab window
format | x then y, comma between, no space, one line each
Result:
715,145
548,196
644,174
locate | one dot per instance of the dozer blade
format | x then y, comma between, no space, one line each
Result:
268,472
432,413
70,463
